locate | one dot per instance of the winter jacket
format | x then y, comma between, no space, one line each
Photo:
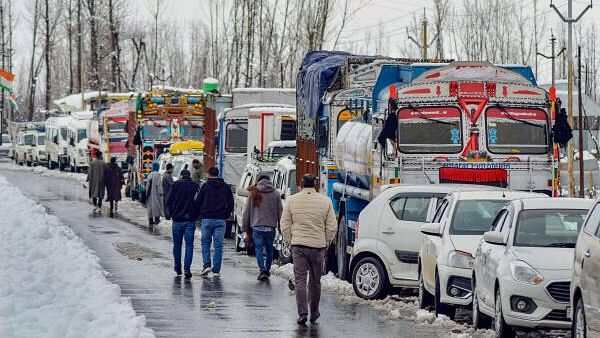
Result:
113,179
180,202
308,219
267,212
167,182
154,200
215,199
95,177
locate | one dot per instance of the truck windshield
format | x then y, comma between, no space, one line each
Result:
474,217
549,228
81,135
429,130
288,130
192,132
41,140
236,137
28,140
517,131
116,127
156,132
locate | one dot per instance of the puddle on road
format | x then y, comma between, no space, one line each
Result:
135,251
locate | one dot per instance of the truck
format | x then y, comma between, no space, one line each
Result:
365,122
57,141
163,117
78,158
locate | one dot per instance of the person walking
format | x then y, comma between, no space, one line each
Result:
197,174
216,204
154,195
261,216
113,179
167,182
95,179
184,211
308,223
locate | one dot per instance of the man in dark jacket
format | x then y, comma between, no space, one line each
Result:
167,182
216,204
184,211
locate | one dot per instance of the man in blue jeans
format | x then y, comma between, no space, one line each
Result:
183,209
216,204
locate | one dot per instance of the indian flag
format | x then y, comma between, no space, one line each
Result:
6,80
12,99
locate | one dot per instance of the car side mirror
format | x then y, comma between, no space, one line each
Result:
242,192
432,229
494,237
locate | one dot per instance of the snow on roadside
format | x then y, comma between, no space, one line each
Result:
52,285
44,171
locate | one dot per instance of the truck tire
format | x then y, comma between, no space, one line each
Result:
340,250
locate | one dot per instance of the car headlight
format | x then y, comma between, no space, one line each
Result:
524,273
460,259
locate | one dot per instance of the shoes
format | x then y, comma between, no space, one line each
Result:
302,320
178,271
188,274
216,275
111,214
268,274
205,271
291,285
262,276
314,317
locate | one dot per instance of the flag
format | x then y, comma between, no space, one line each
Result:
6,80
13,100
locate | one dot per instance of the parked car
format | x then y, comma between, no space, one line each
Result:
38,154
386,248
6,148
523,266
284,180
585,283
446,254
24,147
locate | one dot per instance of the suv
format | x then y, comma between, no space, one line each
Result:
446,254
24,148
388,237
6,148
38,156
585,282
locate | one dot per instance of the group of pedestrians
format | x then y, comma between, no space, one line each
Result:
105,178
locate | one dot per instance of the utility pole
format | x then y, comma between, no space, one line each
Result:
570,20
555,153
580,134
424,45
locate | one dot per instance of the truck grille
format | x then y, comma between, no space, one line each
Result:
560,291
560,315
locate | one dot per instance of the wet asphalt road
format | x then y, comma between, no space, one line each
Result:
237,305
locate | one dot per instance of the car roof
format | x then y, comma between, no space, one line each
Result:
495,194
442,188
555,203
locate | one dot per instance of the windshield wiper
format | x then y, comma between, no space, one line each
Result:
424,117
561,245
510,116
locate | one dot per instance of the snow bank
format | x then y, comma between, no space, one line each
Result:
44,171
52,285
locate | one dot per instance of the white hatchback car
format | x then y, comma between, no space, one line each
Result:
446,255
386,248
522,269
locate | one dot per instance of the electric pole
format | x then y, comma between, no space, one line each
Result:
570,20
580,134
424,45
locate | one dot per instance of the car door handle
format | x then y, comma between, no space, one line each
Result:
389,231
586,253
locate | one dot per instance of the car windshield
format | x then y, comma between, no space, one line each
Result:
41,140
5,139
549,227
81,135
152,132
28,140
192,132
177,167
474,217
429,130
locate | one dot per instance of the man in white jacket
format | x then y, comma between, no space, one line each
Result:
308,223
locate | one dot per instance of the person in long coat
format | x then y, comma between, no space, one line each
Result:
95,179
154,195
113,179
167,182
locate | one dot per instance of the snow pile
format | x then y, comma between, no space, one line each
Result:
44,171
52,285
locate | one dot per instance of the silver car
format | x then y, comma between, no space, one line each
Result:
585,284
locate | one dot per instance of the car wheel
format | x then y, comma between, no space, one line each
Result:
425,298
579,326
441,308
28,163
369,279
480,320
340,250
502,329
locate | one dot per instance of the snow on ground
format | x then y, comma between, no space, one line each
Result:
52,285
44,171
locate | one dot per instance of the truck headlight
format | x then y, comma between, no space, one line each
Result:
460,259
524,273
